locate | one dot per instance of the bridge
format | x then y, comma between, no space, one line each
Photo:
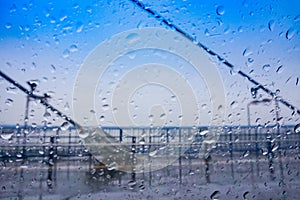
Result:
41,141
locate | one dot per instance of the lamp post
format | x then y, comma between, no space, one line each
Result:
32,86
269,138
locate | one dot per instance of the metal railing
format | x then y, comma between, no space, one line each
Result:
22,142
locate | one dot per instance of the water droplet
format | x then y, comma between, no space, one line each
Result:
101,118
73,48
65,126
9,102
6,135
250,60
47,115
297,18
142,187
290,33
93,171
105,107
49,182
266,67
297,128
162,116
271,25
41,152
246,153
220,10
112,166
206,32
79,27
275,147
53,68
297,81
245,194
132,37
132,183
132,55
234,105
89,9
153,153
66,53
63,17
254,91
66,106
247,52
13,8
142,141
8,25
173,98
204,132
215,195
279,69
83,134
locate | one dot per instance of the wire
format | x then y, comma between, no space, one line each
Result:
209,51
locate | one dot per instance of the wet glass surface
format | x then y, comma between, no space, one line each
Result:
149,99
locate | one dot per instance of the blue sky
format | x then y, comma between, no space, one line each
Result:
48,41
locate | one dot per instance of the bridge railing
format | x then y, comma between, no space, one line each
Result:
44,141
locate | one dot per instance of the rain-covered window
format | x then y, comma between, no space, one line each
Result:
144,99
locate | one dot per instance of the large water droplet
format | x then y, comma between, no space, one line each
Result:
290,33
132,183
65,126
142,187
215,195
297,128
6,135
220,10
245,194
112,166
271,25
267,67
83,134
8,25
